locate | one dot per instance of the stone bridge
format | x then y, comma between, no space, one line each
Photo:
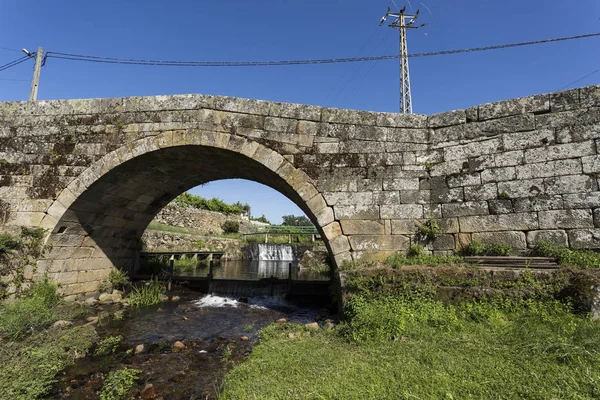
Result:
95,172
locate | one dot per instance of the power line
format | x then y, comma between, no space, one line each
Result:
13,63
130,61
580,79
8,49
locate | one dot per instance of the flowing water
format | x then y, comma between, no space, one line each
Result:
217,332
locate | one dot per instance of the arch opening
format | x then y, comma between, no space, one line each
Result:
102,227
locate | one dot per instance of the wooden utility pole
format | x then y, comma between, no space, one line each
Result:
35,82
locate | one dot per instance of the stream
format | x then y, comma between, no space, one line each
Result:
217,332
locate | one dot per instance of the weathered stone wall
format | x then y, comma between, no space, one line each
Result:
95,172
203,221
170,241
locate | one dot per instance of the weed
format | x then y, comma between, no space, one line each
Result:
118,278
118,384
108,346
430,229
147,295
477,248
226,354
504,196
416,250
249,328
29,314
566,256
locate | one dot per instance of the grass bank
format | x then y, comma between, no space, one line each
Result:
521,336
31,355
418,348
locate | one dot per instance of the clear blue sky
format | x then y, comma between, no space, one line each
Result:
276,30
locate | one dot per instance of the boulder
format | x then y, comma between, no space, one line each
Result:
312,325
62,324
178,346
139,349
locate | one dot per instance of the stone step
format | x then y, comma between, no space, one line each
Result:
513,262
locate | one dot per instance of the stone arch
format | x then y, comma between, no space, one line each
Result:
96,222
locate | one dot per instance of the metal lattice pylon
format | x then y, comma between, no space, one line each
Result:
400,23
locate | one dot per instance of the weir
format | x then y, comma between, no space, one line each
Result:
269,280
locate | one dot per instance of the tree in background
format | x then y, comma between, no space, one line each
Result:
262,218
293,220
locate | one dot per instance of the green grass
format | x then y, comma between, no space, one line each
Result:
413,347
147,295
119,383
566,256
29,314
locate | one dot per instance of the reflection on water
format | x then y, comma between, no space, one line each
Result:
251,270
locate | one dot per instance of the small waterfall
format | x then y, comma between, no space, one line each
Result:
275,252
270,252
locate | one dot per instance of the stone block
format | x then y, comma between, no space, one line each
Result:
332,230
495,223
401,211
373,256
396,120
348,198
591,164
447,118
559,152
339,245
316,204
540,203
379,242
464,180
387,197
564,100
508,158
443,242
363,227
514,239
531,104
464,209
566,219
325,216
548,169
590,96
516,123
473,149
498,174
569,184
557,237
356,212
522,188
488,191
584,238
441,194
597,218
401,184
501,206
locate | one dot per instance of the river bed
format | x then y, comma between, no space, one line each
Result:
217,332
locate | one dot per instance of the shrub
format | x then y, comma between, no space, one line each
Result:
147,295
230,226
108,345
430,229
8,243
416,250
118,384
118,278
29,314
476,248
566,256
